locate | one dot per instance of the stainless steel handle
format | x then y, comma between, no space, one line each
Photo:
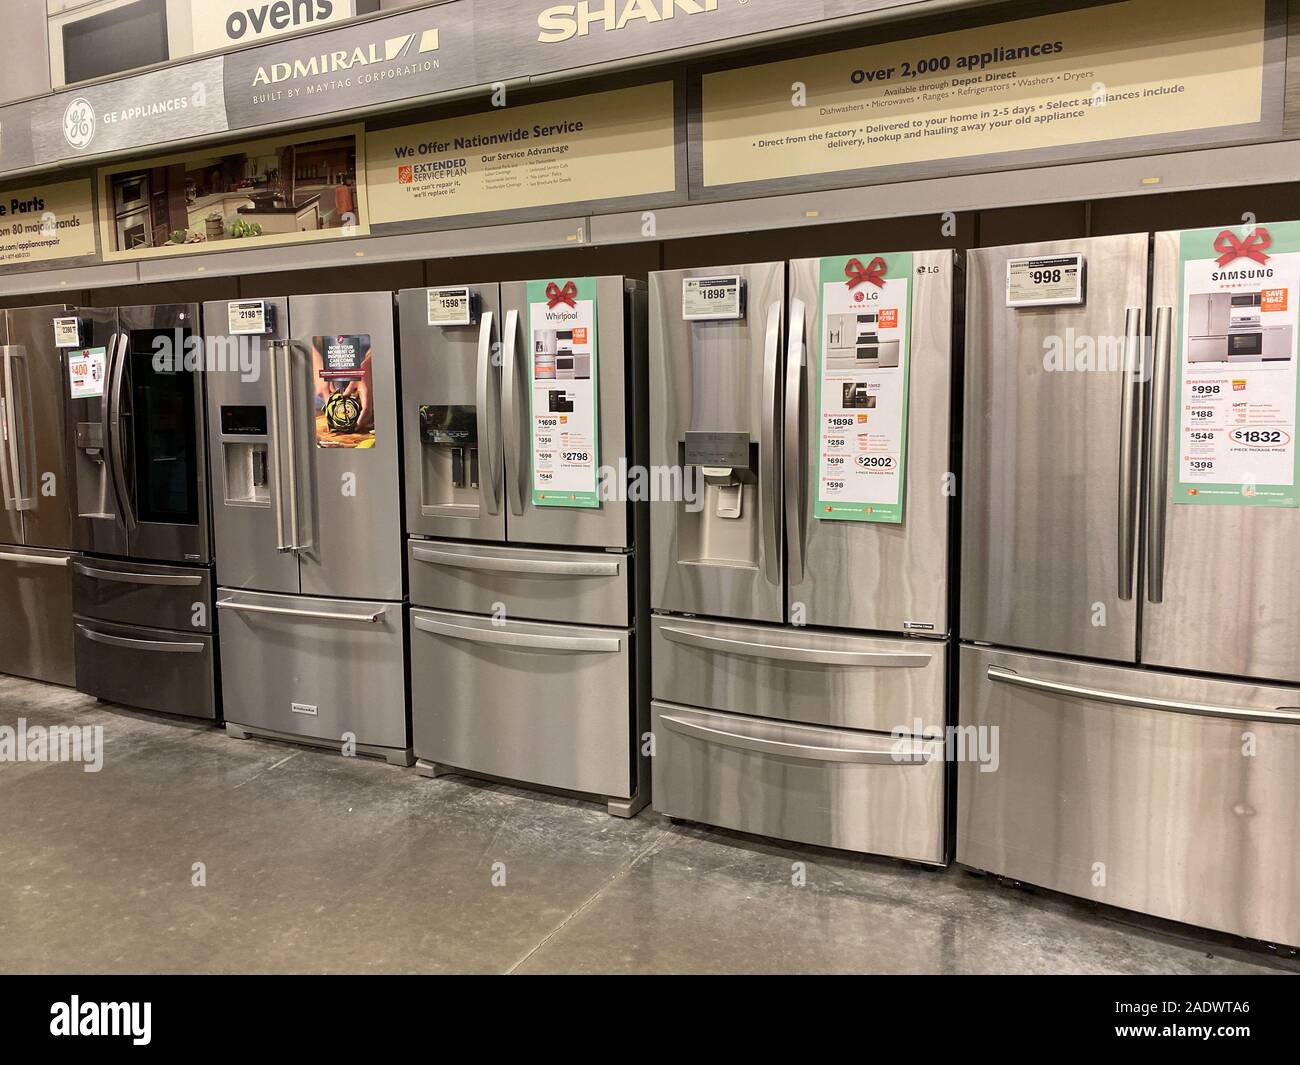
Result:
105,421
141,645
291,466
1158,454
173,580
917,754
796,357
813,655
526,641
511,435
6,423
14,432
323,615
35,560
1129,412
536,567
274,463
1280,715
769,487
117,452
489,476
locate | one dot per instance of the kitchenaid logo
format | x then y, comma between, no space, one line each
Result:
53,743
121,1019
566,21
343,60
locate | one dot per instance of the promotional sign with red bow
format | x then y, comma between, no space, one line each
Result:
1230,248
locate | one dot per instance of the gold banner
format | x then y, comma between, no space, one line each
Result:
39,223
608,144
1136,69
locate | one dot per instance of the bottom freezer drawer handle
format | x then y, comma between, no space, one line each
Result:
913,756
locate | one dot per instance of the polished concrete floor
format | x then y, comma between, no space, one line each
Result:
318,863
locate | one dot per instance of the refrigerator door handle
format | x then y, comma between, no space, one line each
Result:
917,754
35,560
1281,715
523,641
1130,412
277,453
371,618
489,481
813,655
170,580
796,356
15,430
141,645
8,431
770,510
116,451
1158,455
511,436
291,466
533,567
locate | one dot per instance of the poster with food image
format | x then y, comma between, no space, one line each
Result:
861,377
563,413
343,381
86,373
1237,387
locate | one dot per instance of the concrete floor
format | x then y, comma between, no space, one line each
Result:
318,863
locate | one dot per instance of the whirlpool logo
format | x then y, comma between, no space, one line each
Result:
566,21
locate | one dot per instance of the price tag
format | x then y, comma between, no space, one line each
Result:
451,306
707,299
1057,280
247,317
67,332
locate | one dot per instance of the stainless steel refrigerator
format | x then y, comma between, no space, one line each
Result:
36,526
307,491
142,594
528,622
788,648
1139,658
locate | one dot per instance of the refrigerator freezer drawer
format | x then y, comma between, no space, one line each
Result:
154,669
315,668
133,593
36,616
543,704
799,674
1159,806
582,587
857,791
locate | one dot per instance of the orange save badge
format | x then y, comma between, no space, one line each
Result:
889,318
1273,299
580,335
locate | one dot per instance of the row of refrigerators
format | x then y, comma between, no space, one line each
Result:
331,544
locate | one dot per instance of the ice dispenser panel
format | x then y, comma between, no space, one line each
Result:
450,467
723,530
246,455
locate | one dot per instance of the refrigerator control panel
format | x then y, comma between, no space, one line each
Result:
243,421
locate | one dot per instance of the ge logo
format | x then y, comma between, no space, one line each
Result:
79,123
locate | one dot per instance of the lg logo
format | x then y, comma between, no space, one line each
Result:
79,123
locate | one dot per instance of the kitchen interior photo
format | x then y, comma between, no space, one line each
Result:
290,189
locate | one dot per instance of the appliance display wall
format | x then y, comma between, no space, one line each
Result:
142,594
529,625
308,521
1135,637
788,650
36,524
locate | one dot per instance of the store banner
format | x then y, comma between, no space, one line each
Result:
601,146
1237,386
861,376
1082,77
216,25
46,221
563,396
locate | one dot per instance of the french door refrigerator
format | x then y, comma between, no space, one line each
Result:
528,620
307,489
36,526
142,593
788,647
1138,655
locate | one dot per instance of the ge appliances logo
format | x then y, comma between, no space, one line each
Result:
79,123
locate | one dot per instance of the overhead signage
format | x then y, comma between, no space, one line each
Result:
217,25
45,222
1237,388
707,299
862,375
606,145
1047,281
1088,76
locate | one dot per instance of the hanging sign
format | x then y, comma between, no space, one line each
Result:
343,382
562,395
86,373
1237,381
862,385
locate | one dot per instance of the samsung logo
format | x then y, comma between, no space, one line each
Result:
565,21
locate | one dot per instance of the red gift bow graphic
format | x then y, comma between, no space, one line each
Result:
556,295
1230,248
874,272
